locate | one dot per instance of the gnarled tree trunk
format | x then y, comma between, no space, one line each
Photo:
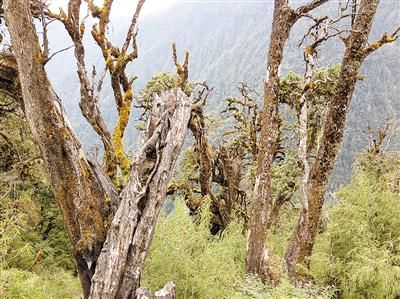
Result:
121,260
81,188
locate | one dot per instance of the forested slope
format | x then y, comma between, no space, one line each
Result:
228,44
201,229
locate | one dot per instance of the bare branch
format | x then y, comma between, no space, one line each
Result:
203,93
309,6
132,31
377,137
181,70
55,53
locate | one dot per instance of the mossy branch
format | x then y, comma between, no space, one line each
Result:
385,39
181,70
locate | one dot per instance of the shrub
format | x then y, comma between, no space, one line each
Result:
360,251
253,288
15,283
201,265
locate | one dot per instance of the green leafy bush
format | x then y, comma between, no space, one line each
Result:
360,251
206,266
201,265
253,288
15,283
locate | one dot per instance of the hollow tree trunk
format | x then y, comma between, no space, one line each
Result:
301,244
121,261
80,195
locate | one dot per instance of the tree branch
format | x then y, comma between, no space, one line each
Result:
385,39
304,9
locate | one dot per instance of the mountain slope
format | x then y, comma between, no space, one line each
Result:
228,43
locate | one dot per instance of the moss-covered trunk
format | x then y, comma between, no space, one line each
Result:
283,21
284,18
78,191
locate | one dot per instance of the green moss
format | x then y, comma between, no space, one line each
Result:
118,134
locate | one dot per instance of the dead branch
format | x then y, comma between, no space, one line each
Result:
377,137
304,9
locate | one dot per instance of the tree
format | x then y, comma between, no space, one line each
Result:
357,49
110,230
217,171
314,179
283,20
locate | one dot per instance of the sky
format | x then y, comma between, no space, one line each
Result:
124,7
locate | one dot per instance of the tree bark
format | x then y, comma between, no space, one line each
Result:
283,20
121,260
302,242
79,193
291,257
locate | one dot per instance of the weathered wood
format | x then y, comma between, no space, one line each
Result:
121,261
291,256
283,21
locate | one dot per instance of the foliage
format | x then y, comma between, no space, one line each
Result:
360,251
321,90
15,283
202,265
285,175
279,234
33,242
206,266
13,222
253,288
160,82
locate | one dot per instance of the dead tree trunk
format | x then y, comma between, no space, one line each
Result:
302,242
121,260
79,193
283,20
